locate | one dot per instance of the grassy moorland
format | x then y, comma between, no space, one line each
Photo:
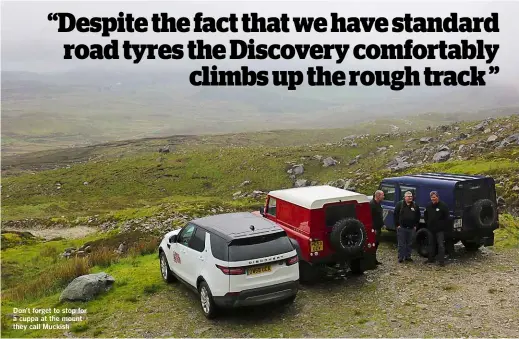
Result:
132,182
208,173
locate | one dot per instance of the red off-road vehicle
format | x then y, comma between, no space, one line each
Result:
330,227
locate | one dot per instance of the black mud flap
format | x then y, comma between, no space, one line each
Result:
488,240
369,261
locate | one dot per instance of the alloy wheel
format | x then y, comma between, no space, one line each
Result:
204,298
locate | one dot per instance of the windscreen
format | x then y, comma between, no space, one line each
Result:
334,213
259,247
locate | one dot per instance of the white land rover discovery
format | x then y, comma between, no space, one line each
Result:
232,260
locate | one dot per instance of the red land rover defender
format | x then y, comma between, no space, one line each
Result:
330,227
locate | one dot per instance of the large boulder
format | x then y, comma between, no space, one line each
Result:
86,287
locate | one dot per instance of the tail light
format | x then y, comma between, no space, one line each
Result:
292,261
231,270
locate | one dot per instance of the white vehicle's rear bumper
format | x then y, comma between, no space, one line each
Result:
259,296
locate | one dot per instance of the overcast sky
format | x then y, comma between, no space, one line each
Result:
30,42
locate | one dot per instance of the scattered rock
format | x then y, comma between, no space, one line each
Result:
514,138
441,156
256,194
492,138
122,248
329,162
297,170
164,149
481,126
301,183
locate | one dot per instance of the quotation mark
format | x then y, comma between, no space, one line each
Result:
493,70
53,17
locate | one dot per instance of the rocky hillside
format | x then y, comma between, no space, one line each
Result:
165,185
54,205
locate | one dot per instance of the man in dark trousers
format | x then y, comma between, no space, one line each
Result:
407,217
377,216
437,220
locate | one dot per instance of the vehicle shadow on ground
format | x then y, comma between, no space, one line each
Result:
276,311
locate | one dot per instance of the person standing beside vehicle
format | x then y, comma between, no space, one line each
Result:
408,218
377,216
436,218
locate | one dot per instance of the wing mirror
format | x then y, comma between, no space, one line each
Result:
262,210
173,239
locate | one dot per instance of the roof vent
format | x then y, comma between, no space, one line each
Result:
252,227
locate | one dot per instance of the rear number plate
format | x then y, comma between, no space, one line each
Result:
259,270
316,246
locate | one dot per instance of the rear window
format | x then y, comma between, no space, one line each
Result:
335,213
259,247
467,193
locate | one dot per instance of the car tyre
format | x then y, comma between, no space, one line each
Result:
308,274
206,301
356,267
484,213
166,273
348,237
422,242
289,301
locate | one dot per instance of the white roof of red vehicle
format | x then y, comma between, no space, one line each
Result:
313,197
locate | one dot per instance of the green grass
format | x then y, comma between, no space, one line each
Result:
507,236
208,170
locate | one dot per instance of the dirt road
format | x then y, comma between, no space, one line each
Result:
476,294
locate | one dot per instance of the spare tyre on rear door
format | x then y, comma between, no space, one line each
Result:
483,213
348,237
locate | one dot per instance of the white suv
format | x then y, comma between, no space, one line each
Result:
231,260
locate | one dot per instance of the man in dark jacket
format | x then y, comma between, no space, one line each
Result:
377,216
437,220
407,217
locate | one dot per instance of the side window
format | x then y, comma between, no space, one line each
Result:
389,192
186,234
404,189
272,206
198,240
219,247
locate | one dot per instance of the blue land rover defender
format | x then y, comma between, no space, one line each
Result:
471,200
